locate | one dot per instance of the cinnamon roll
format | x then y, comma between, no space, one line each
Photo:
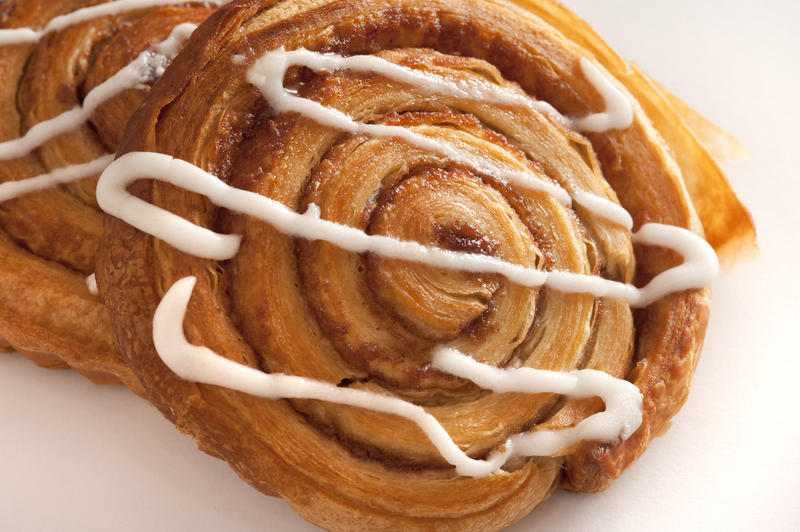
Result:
410,265
73,72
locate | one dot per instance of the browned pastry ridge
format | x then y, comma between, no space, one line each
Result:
48,239
362,321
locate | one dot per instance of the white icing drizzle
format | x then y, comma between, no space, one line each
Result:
173,44
268,71
30,35
620,419
699,267
91,284
181,234
279,60
623,401
66,174
619,111
19,36
267,74
147,67
605,208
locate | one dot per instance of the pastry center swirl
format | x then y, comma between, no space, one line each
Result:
429,208
385,315
369,320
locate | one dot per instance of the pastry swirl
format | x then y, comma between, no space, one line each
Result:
516,153
58,133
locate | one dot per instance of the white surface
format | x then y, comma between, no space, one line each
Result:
74,456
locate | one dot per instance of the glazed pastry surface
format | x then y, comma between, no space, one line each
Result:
472,176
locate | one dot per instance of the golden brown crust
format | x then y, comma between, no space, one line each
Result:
48,239
310,309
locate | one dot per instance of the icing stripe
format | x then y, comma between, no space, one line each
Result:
147,67
268,72
91,284
29,35
200,364
66,174
698,270
619,111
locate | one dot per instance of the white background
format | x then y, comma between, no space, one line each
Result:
74,456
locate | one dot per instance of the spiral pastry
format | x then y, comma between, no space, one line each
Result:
73,72
403,241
